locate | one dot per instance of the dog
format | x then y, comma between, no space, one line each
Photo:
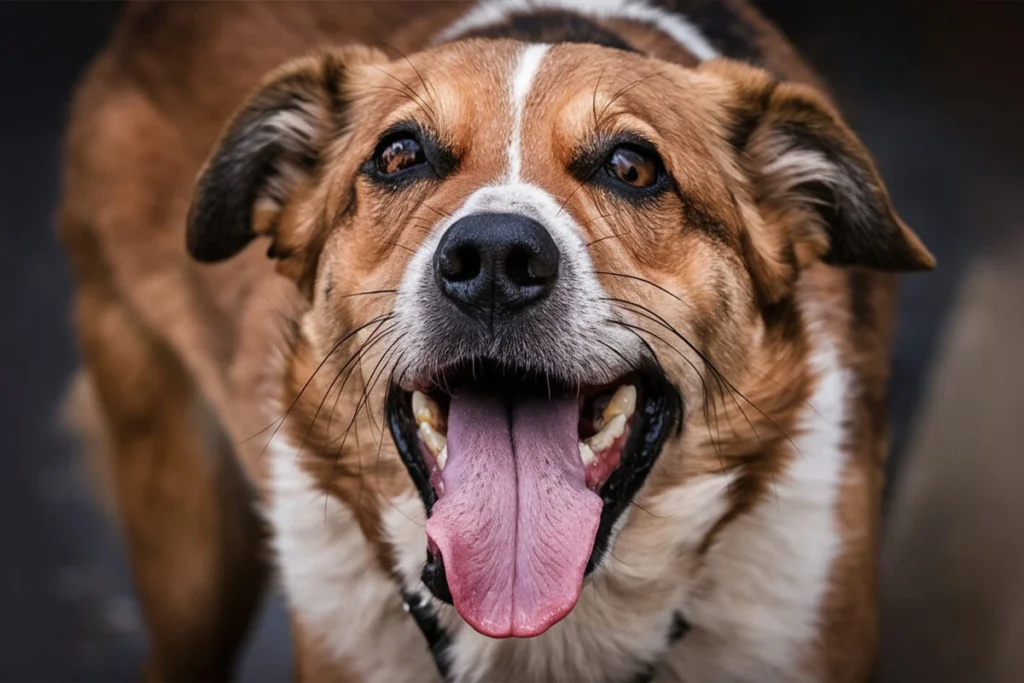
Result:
537,340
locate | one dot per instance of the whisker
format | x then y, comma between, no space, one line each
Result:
598,217
685,303
355,414
619,354
368,389
380,444
593,98
400,246
366,394
412,94
412,99
733,391
640,507
706,391
354,358
719,377
622,91
641,279
571,195
426,88
602,239
368,293
439,212
351,369
280,421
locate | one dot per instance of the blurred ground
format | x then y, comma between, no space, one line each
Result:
932,87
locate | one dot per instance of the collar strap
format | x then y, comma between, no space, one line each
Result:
680,627
437,638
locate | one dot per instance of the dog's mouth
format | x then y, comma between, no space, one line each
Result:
524,478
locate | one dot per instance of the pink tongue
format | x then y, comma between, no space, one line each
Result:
516,523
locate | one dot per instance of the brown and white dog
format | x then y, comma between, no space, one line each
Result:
559,353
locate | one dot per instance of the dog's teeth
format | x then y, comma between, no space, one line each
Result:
586,455
442,458
435,440
623,403
606,437
425,410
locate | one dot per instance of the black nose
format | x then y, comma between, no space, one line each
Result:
495,264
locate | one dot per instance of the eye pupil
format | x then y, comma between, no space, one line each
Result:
633,166
399,155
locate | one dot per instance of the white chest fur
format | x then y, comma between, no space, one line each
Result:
757,600
332,583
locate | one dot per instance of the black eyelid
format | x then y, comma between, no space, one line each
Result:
396,131
635,141
439,160
596,155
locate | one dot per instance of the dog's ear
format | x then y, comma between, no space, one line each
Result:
810,175
268,152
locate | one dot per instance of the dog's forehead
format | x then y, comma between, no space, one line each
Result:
504,98
545,75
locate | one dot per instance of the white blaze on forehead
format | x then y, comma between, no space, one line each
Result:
527,67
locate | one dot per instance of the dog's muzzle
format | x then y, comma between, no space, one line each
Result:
527,419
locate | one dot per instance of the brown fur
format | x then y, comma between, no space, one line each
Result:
185,357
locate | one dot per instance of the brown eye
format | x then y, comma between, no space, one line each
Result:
398,155
634,167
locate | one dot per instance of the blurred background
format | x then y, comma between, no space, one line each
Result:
935,90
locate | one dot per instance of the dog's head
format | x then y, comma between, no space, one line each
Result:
535,264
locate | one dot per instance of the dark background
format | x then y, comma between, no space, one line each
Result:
933,88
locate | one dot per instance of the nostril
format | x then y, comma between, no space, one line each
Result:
461,264
528,267
517,267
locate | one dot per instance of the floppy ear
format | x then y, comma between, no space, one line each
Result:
268,152
811,176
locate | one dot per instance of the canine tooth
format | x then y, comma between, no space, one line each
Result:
623,403
586,455
435,440
606,437
442,458
425,410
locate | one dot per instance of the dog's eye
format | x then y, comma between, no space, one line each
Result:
399,154
634,166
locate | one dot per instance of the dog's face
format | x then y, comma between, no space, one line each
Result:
540,267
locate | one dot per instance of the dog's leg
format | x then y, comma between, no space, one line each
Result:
193,536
